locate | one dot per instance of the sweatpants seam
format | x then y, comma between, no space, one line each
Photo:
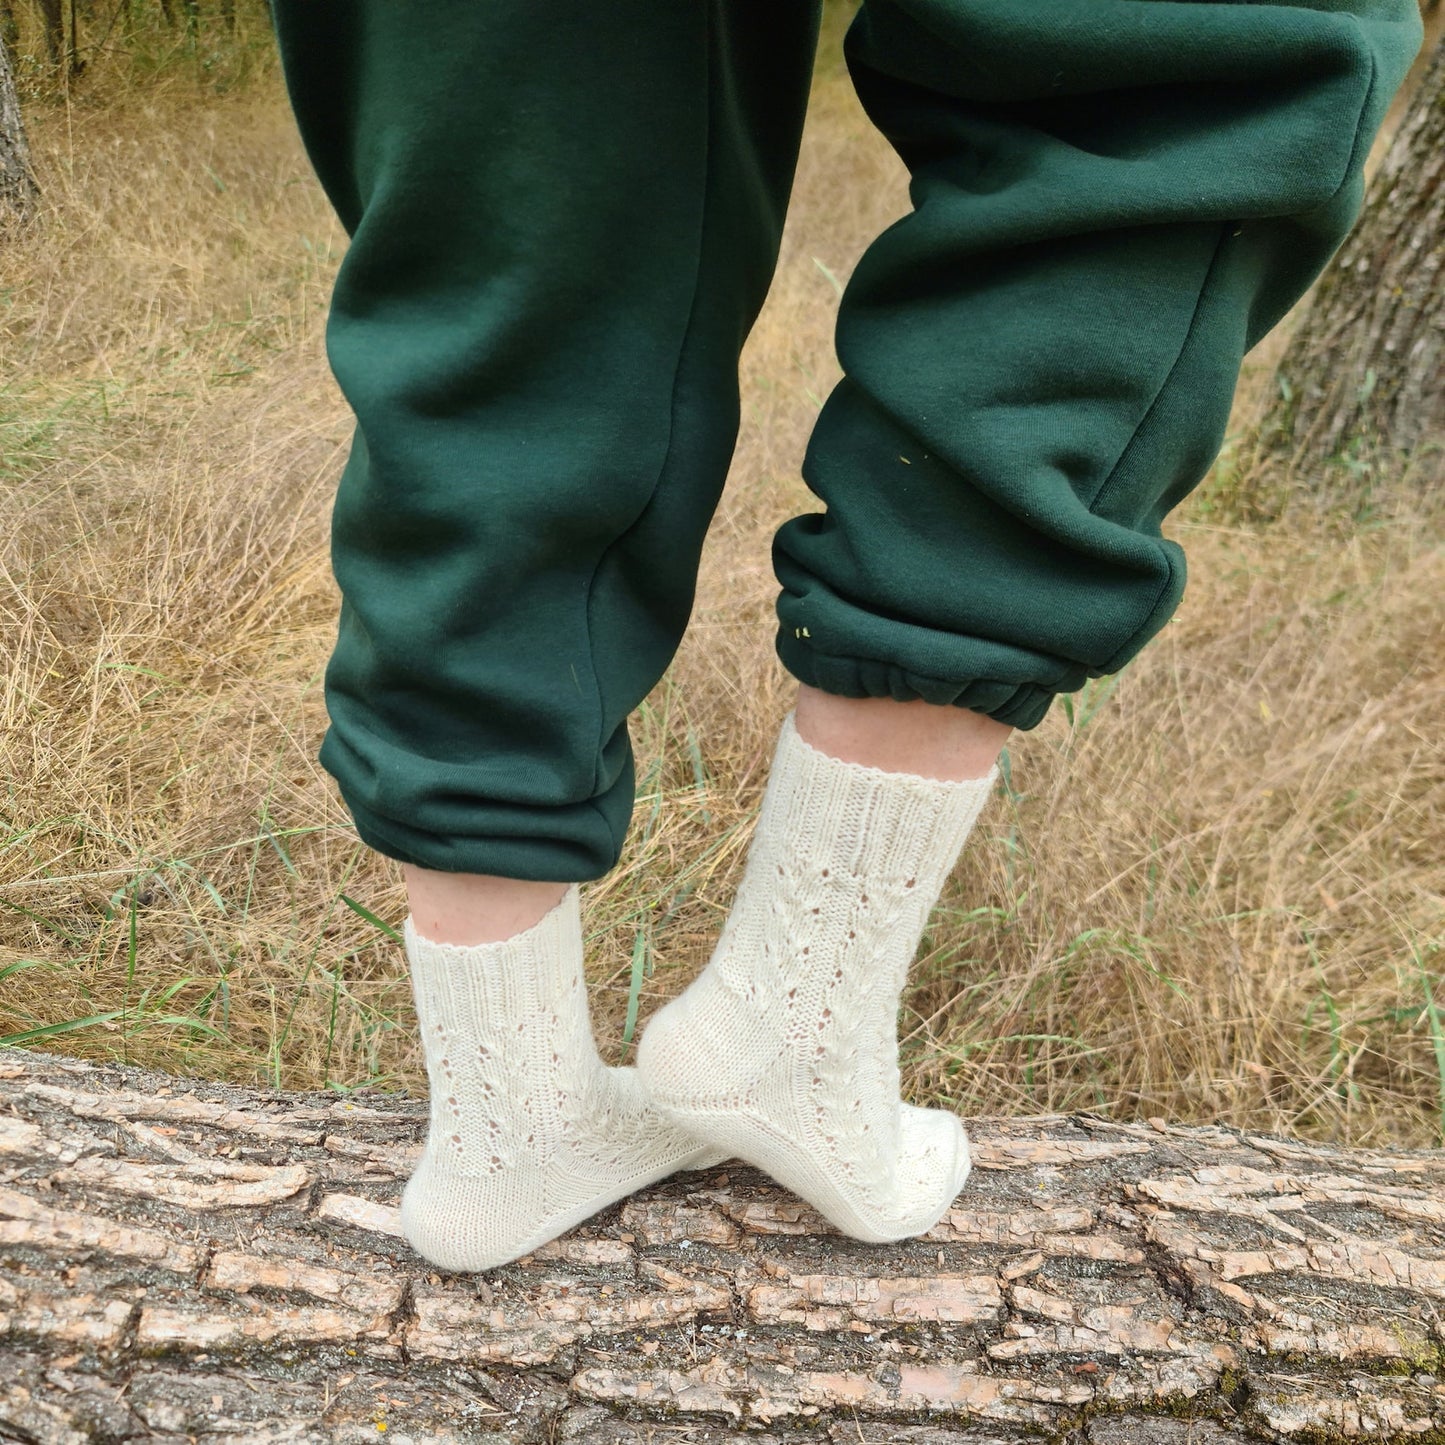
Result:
1099,497
1127,648
687,331
1355,161
601,812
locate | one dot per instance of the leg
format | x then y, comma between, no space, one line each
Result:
1113,201
948,743
563,221
472,908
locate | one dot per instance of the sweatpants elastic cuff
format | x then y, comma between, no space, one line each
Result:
1019,704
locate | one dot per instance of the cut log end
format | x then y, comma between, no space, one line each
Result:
185,1261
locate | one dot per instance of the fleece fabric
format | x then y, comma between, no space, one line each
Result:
562,222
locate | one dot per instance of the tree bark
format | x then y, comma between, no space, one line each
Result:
73,59
53,19
1366,366
18,191
184,1261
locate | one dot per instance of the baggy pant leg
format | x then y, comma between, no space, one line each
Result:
563,220
1112,202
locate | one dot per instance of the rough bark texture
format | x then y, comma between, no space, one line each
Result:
1368,358
18,191
54,20
184,1261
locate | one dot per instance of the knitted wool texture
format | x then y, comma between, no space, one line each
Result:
529,1133
784,1051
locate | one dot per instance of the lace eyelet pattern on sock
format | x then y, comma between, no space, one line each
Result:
784,1051
529,1133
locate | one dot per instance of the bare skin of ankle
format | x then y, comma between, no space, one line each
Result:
932,741
950,743
471,908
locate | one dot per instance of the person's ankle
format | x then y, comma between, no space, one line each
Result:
473,908
950,744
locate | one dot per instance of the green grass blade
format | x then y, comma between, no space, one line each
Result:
371,918
20,965
634,987
47,1031
1437,1035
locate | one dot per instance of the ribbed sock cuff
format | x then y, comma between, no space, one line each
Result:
454,981
879,823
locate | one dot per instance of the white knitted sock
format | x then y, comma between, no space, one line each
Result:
784,1050
530,1133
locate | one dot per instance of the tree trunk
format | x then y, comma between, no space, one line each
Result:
1366,367
53,18
183,1261
75,62
18,191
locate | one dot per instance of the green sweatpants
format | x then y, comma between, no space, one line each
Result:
563,220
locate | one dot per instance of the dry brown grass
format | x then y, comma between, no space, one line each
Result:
1217,894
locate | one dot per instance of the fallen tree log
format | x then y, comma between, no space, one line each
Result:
191,1262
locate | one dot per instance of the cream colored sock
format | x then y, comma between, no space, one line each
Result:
784,1050
530,1133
